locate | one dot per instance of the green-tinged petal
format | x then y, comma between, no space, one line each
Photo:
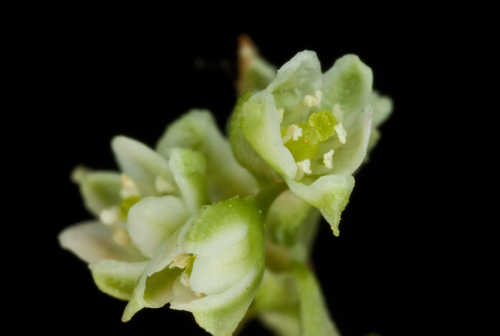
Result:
254,72
350,156
261,126
153,219
297,78
348,83
220,313
242,149
227,239
92,242
315,320
117,278
329,193
197,130
155,287
286,216
382,108
100,189
189,169
141,163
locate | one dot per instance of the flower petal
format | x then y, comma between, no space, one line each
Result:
350,156
153,219
244,152
329,193
100,189
197,130
261,126
155,287
92,242
315,320
227,239
348,83
298,77
141,163
117,278
189,169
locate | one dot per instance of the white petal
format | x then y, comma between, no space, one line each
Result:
92,242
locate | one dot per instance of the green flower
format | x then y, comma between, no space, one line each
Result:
211,267
311,130
156,242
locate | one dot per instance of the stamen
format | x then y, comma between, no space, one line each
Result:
313,100
121,237
341,132
128,187
328,158
110,216
293,132
304,167
163,186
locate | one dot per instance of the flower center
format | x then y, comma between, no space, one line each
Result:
304,139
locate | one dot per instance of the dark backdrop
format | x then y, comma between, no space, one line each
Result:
94,81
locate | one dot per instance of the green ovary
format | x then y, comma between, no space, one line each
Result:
318,128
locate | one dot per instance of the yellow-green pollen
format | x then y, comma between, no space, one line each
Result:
318,128
127,203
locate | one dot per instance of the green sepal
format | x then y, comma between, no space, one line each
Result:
153,219
227,239
197,130
117,278
329,194
155,287
243,150
348,83
260,125
142,164
189,169
92,242
99,189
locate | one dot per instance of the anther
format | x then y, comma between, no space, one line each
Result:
341,132
328,158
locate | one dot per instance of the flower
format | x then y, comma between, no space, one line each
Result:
308,129
157,240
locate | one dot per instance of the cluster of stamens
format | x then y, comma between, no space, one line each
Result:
304,139
116,215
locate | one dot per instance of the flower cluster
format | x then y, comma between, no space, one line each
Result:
221,227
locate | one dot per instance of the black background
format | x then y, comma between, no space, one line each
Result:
90,80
